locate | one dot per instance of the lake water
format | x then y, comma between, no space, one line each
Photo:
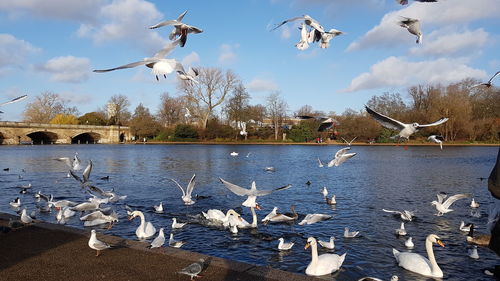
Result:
377,177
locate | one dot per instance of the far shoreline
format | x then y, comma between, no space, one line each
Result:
310,143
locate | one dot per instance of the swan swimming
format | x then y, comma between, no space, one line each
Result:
323,264
419,264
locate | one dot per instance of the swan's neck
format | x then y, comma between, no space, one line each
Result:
143,220
314,255
430,253
254,217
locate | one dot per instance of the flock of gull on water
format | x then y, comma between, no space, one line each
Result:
92,213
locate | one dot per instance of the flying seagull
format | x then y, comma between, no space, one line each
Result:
405,2
180,29
190,75
405,130
413,26
487,84
303,44
252,193
327,36
326,122
186,195
341,156
307,20
158,63
349,143
437,139
443,207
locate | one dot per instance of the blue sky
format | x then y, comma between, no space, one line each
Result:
53,45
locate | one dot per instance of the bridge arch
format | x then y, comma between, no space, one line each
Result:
86,138
43,137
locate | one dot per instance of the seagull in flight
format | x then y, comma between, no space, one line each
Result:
437,139
158,63
341,156
405,130
487,84
327,36
190,75
405,2
349,143
307,20
252,193
14,100
443,206
405,215
326,122
186,195
180,29
303,44
413,26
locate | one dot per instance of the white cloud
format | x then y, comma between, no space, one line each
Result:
227,54
54,9
13,51
261,85
67,69
74,97
191,59
127,20
398,72
443,42
387,33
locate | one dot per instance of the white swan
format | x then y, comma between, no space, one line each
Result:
145,229
186,195
324,264
217,216
284,246
329,245
314,218
242,223
418,263
234,153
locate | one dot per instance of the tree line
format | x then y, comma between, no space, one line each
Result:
215,106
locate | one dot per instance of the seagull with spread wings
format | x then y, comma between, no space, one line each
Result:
487,84
341,156
443,206
326,122
180,29
413,26
186,195
437,139
14,100
189,75
252,193
405,130
158,63
307,20
349,143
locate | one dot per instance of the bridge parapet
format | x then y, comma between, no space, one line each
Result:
17,132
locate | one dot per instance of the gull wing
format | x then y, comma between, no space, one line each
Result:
168,48
15,100
320,163
325,126
193,71
288,20
183,193
385,121
190,186
96,190
170,22
489,82
344,158
305,117
194,29
441,196
390,211
192,269
75,176
454,198
341,152
86,172
238,190
439,122
130,65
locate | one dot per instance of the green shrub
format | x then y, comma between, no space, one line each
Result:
183,131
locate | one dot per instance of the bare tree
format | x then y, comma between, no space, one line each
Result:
210,92
237,104
46,106
276,111
171,110
118,110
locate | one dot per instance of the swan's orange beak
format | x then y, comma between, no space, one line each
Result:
257,206
307,246
239,217
130,218
440,243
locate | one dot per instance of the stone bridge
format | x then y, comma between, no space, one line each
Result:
37,133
